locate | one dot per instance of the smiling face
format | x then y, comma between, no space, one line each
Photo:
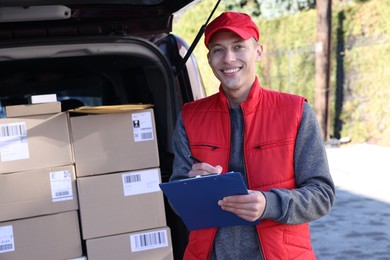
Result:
233,61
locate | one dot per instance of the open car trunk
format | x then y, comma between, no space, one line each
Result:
99,72
127,72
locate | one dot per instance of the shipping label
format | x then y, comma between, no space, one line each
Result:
13,142
6,239
148,240
61,186
139,182
142,126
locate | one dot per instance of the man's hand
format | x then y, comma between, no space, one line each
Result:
204,169
249,207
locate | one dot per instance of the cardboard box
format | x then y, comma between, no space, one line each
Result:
144,245
123,202
115,142
53,237
33,109
34,142
37,192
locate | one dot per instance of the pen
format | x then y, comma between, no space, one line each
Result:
195,159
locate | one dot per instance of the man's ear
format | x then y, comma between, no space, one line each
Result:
208,57
259,52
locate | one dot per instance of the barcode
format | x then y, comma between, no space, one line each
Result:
62,193
10,130
149,240
6,247
148,135
132,178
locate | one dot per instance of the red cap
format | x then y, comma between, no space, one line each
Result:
239,23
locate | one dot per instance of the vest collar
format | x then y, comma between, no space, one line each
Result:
250,104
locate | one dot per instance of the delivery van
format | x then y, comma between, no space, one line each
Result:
101,53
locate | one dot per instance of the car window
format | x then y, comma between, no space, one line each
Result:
74,85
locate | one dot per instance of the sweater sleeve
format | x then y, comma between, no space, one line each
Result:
315,192
182,163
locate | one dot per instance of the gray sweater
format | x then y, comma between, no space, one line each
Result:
312,199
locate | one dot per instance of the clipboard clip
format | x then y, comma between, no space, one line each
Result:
212,174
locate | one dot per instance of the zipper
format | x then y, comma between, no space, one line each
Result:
247,179
273,144
212,147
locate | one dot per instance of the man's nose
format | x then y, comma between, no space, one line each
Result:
229,56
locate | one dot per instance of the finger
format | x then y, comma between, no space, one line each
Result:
251,197
204,169
252,206
239,199
218,169
207,168
249,214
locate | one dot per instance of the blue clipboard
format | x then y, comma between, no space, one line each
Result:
195,200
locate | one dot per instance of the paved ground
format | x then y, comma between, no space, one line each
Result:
358,227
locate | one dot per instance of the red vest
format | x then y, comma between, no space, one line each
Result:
271,123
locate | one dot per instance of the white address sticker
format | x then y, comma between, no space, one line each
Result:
61,186
139,182
6,239
142,126
148,240
13,142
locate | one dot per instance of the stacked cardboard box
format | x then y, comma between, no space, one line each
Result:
114,142
142,245
37,192
34,142
54,236
111,158
33,109
38,195
115,203
118,176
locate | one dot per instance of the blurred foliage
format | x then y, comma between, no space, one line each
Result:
366,110
288,63
267,9
251,7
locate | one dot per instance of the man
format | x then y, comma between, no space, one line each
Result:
272,138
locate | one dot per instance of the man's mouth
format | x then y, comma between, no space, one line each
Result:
231,71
